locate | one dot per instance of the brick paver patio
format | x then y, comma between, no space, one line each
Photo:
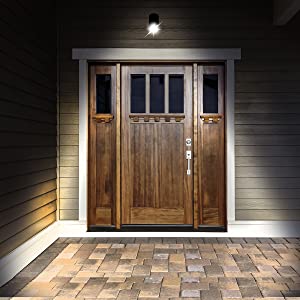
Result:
162,268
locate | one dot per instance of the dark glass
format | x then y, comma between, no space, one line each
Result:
103,94
176,94
157,93
210,93
138,93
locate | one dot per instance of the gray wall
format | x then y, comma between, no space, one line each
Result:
267,87
27,120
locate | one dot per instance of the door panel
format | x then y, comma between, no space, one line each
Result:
211,146
155,186
102,141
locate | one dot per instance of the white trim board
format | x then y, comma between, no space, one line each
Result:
133,54
162,54
14,262
244,229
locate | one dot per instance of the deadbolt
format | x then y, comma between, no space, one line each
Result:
188,142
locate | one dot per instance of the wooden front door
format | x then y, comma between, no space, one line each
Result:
156,130
157,146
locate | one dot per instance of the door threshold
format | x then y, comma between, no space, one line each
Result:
156,228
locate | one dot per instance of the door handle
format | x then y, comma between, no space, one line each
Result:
188,156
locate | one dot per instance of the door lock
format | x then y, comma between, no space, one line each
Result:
188,142
188,156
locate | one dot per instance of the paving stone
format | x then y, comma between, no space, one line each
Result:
286,271
193,255
295,293
161,256
177,258
108,293
128,295
195,268
195,286
213,271
169,292
250,291
190,293
153,279
212,294
190,279
171,281
238,241
230,269
246,282
264,279
149,291
266,269
247,267
208,255
141,270
241,258
273,286
228,284
231,294
271,293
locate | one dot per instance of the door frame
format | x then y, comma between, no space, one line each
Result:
117,55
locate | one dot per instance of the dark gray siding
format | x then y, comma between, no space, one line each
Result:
27,120
267,87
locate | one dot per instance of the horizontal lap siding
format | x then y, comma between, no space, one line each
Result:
28,117
267,123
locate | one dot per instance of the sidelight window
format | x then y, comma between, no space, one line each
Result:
210,93
103,94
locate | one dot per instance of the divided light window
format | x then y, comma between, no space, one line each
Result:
176,94
138,93
165,93
157,93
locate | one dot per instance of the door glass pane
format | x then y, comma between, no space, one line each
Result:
176,94
103,94
157,93
210,93
138,91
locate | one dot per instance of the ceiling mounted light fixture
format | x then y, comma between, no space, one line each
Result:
154,24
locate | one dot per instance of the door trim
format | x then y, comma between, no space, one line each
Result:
150,55
161,54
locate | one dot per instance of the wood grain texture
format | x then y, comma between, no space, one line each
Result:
28,119
103,216
160,215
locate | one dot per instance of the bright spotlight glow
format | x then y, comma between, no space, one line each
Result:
153,28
